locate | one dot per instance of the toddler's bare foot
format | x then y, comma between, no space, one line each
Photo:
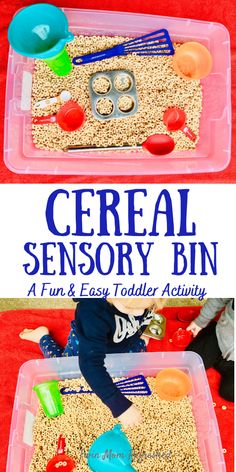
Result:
34,335
145,338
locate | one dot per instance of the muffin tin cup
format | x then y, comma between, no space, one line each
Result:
157,327
114,94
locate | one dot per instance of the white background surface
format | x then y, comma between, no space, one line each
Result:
212,208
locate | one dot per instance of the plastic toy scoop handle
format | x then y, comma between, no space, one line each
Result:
43,120
188,132
70,117
61,445
175,119
45,103
98,56
64,96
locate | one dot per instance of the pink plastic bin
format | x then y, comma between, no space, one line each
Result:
21,446
213,150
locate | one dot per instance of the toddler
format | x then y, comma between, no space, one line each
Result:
101,327
214,342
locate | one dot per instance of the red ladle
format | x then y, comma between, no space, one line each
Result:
70,117
157,144
61,462
175,119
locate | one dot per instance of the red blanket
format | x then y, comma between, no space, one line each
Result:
208,10
15,352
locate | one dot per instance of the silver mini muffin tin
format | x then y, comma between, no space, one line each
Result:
113,94
157,327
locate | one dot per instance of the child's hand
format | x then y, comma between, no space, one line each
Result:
130,417
194,328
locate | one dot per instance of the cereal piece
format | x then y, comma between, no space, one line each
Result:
166,440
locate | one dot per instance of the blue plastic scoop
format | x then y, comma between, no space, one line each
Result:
157,43
111,452
137,386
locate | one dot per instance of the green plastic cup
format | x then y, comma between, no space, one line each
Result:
60,64
50,398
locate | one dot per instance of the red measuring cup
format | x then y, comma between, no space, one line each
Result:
181,338
175,119
159,144
61,462
70,117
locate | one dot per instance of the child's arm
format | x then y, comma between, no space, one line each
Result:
93,334
207,314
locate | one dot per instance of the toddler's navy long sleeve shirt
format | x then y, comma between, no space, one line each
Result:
101,330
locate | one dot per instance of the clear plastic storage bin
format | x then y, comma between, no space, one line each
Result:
212,153
33,372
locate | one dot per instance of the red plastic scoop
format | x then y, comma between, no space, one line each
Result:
70,117
175,119
187,316
159,144
181,338
61,462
